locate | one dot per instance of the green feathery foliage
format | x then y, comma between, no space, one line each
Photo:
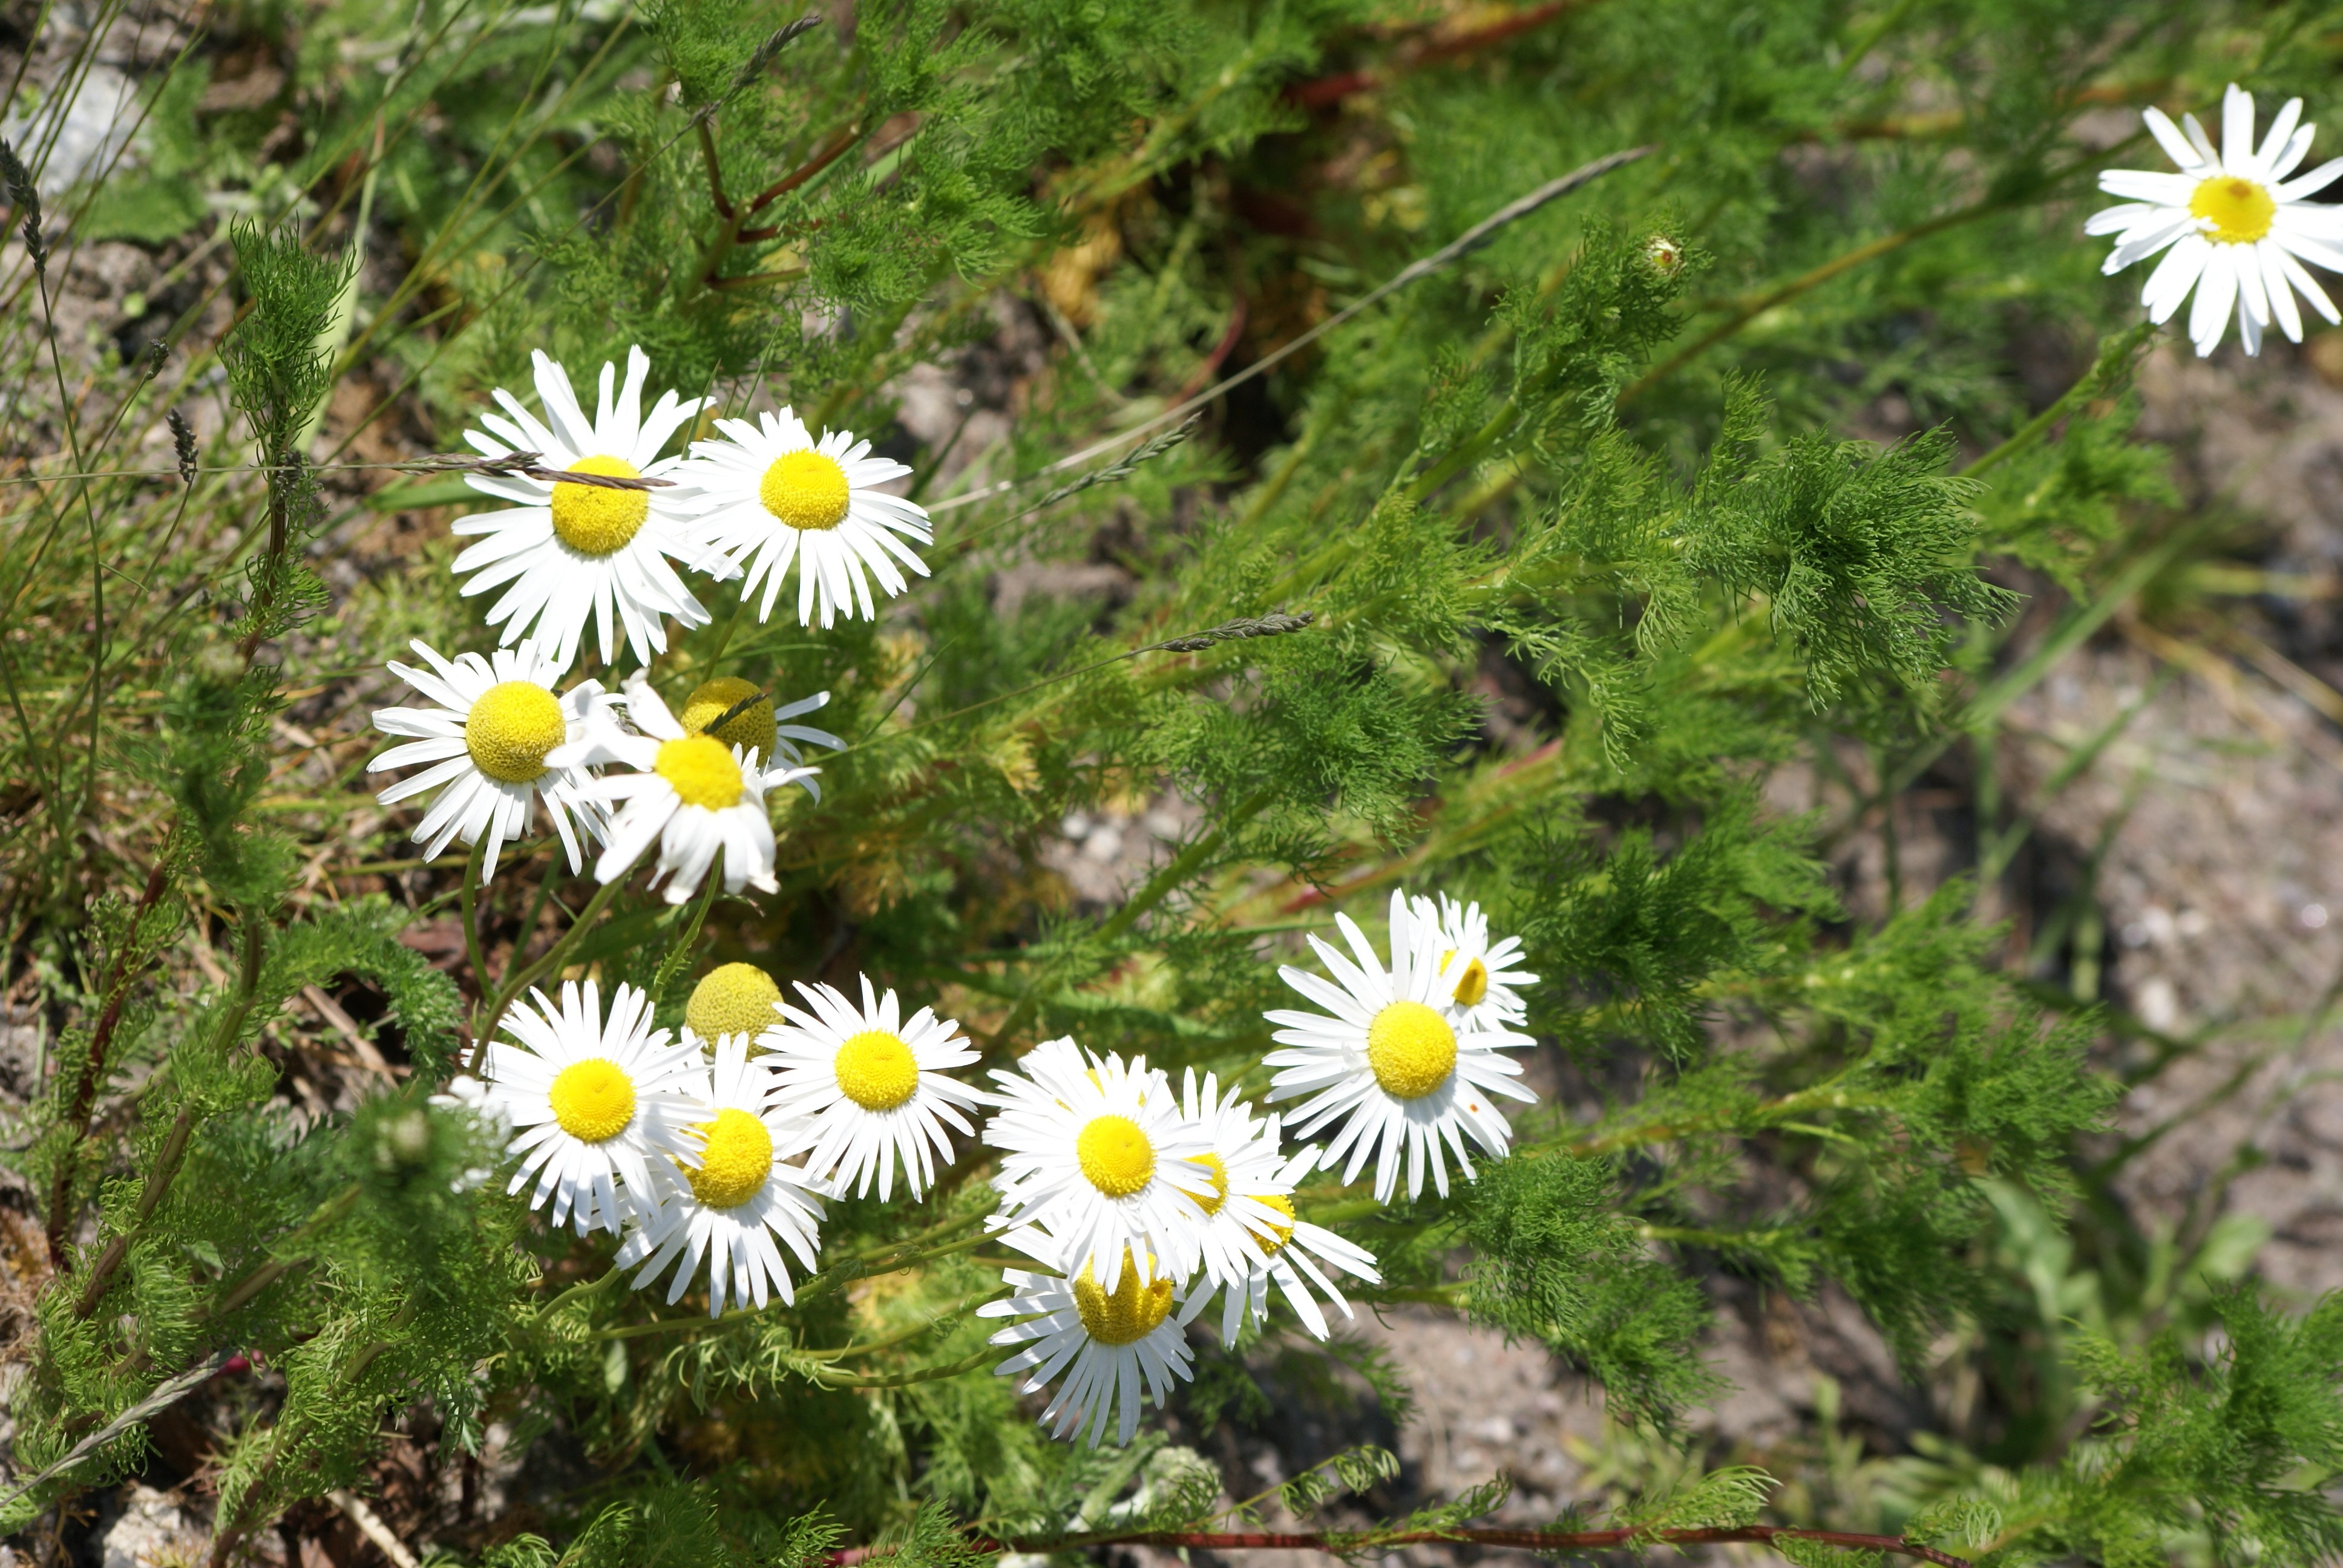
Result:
1518,582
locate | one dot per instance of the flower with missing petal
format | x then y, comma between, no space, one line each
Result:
1484,979
1104,1341
691,794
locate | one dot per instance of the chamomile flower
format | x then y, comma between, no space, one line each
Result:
1248,1203
1390,1064
744,716
1484,980
1096,1153
872,1086
492,724
1297,1260
2236,228
728,1197
1107,1341
596,1101
566,552
691,794
733,998
770,493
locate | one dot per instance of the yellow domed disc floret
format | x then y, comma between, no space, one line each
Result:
702,771
511,727
732,998
734,1162
1115,1155
1134,1312
875,1070
1271,1247
805,490
594,521
1220,1174
1472,984
593,1100
752,729
2239,209
1410,1049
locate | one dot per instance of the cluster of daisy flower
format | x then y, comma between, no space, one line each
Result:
712,1153
499,737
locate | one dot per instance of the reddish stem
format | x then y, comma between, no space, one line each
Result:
93,1067
830,152
1327,91
1347,1543
1211,368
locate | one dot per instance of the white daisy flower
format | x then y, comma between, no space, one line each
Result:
873,1087
691,794
770,493
1390,1064
1251,1240
728,1197
1106,1341
596,1101
1096,1154
1485,982
572,551
2238,229
1296,1257
1246,1206
492,724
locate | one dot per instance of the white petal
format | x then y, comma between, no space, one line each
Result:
2237,131
2216,293
2167,137
2169,283
2281,298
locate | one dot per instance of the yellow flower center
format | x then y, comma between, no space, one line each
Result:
1472,985
702,771
734,1160
1219,1200
875,1070
1116,1155
1412,1049
593,1100
511,727
2239,209
1132,1313
805,490
1271,1246
594,521
733,998
752,728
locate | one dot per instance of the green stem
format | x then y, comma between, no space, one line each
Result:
551,963
924,1374
535,913
2113,362
1182,865
679,951
724,634
467,901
